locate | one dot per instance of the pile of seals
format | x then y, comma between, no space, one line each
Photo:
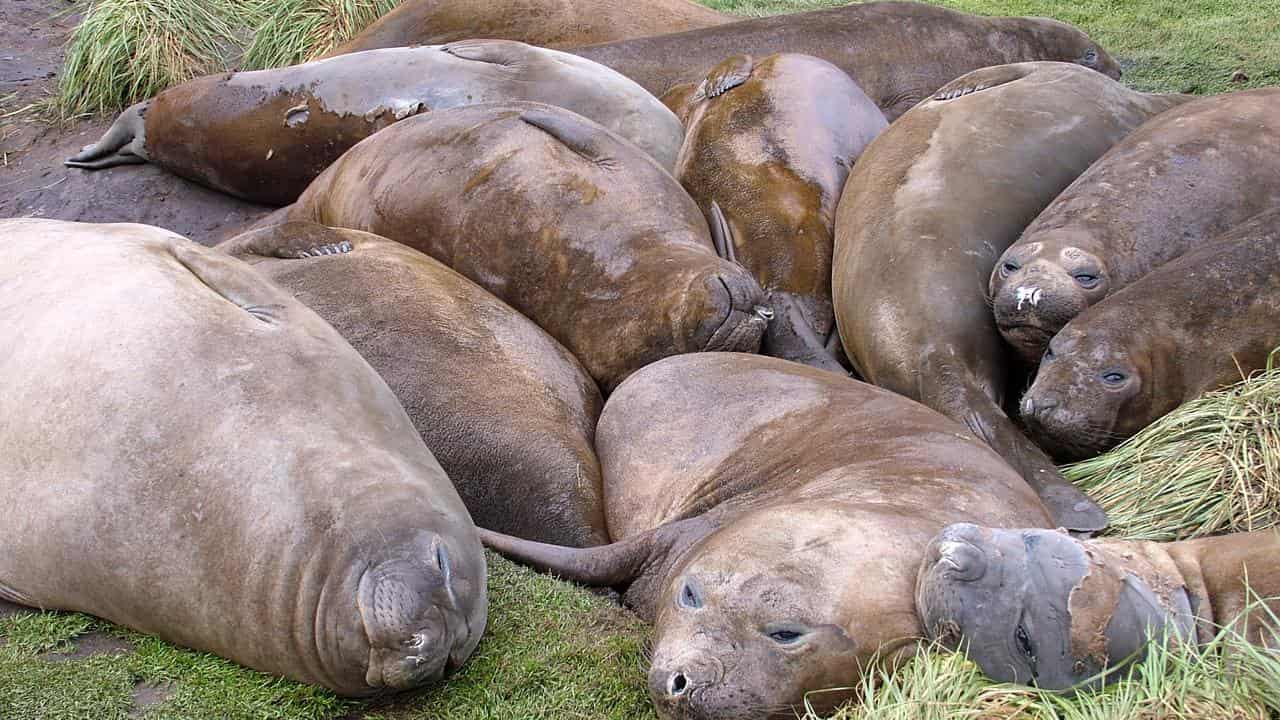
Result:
604,303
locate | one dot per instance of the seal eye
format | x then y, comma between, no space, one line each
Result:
1008,269
1113,378
1024,642
1091,57
1087,281
1048,353
689,597
785,637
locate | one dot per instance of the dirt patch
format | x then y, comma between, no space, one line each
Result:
33,181
89,645
149,694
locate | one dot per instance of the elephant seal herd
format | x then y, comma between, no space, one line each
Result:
511,288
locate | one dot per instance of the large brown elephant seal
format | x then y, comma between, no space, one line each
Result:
899,53
188,451
507,411
766,164
769,519
558,217
265,135
1190,326
926,212
1188,175
548,23
1039,607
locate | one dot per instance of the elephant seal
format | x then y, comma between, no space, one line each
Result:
926,212
766,164
1190,326
548,23
1187,176
507,411
899,53
556,216
265,135
769,519
1039,607
231,475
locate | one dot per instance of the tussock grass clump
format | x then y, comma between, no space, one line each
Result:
1212,466
128,50
295,31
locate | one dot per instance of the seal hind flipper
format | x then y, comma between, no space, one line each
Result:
722,234
124,143
983,79
226,276
729,74
11,595
573,131
294,240
495,52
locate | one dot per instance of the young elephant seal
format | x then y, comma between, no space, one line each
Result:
766,164
926,212
558,217
233,477
1188,327
265,135
1041,608
548,23
507,411
899,53
769,519
1185,177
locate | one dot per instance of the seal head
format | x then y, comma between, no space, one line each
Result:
1037,288
1038,607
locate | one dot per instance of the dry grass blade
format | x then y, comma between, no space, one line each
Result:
1211,466
294,31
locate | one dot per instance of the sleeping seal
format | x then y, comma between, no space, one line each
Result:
188,451
927,210
769,519
265,135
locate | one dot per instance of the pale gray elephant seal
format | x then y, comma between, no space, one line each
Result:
769,519
1041,608
1188,175
507,411
1190,326
766,163
188,451
558,217
899,53
265,135
928,209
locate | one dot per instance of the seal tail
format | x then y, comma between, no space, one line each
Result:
123,144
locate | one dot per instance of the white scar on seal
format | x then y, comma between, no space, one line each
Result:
1028,294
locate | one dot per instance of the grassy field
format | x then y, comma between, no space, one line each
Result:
553,650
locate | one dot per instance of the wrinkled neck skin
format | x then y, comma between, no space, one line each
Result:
1233,581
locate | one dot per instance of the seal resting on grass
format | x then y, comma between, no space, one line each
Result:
188,451
769,519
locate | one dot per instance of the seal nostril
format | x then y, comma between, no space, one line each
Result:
679,683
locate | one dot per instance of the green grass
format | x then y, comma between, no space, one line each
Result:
295,31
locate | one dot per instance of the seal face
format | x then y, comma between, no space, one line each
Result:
1038,607
225,437
527,200
265,135
509,413
776,559
1183,178
766,166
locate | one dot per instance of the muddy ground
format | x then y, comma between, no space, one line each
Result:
33,181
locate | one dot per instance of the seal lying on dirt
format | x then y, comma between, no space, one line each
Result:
766,164
548,23
769,519
899,53
1180,180
560,218
507,411
1041,608
265,135
924,215
188,451
1193,325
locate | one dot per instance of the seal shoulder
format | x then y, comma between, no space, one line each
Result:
979,80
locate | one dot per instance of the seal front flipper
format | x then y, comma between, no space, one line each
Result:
292,240
573,131
982,79
722,234
123,144
234,280
726,76
496,52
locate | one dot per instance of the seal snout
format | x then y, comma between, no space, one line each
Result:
674,686
737,314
